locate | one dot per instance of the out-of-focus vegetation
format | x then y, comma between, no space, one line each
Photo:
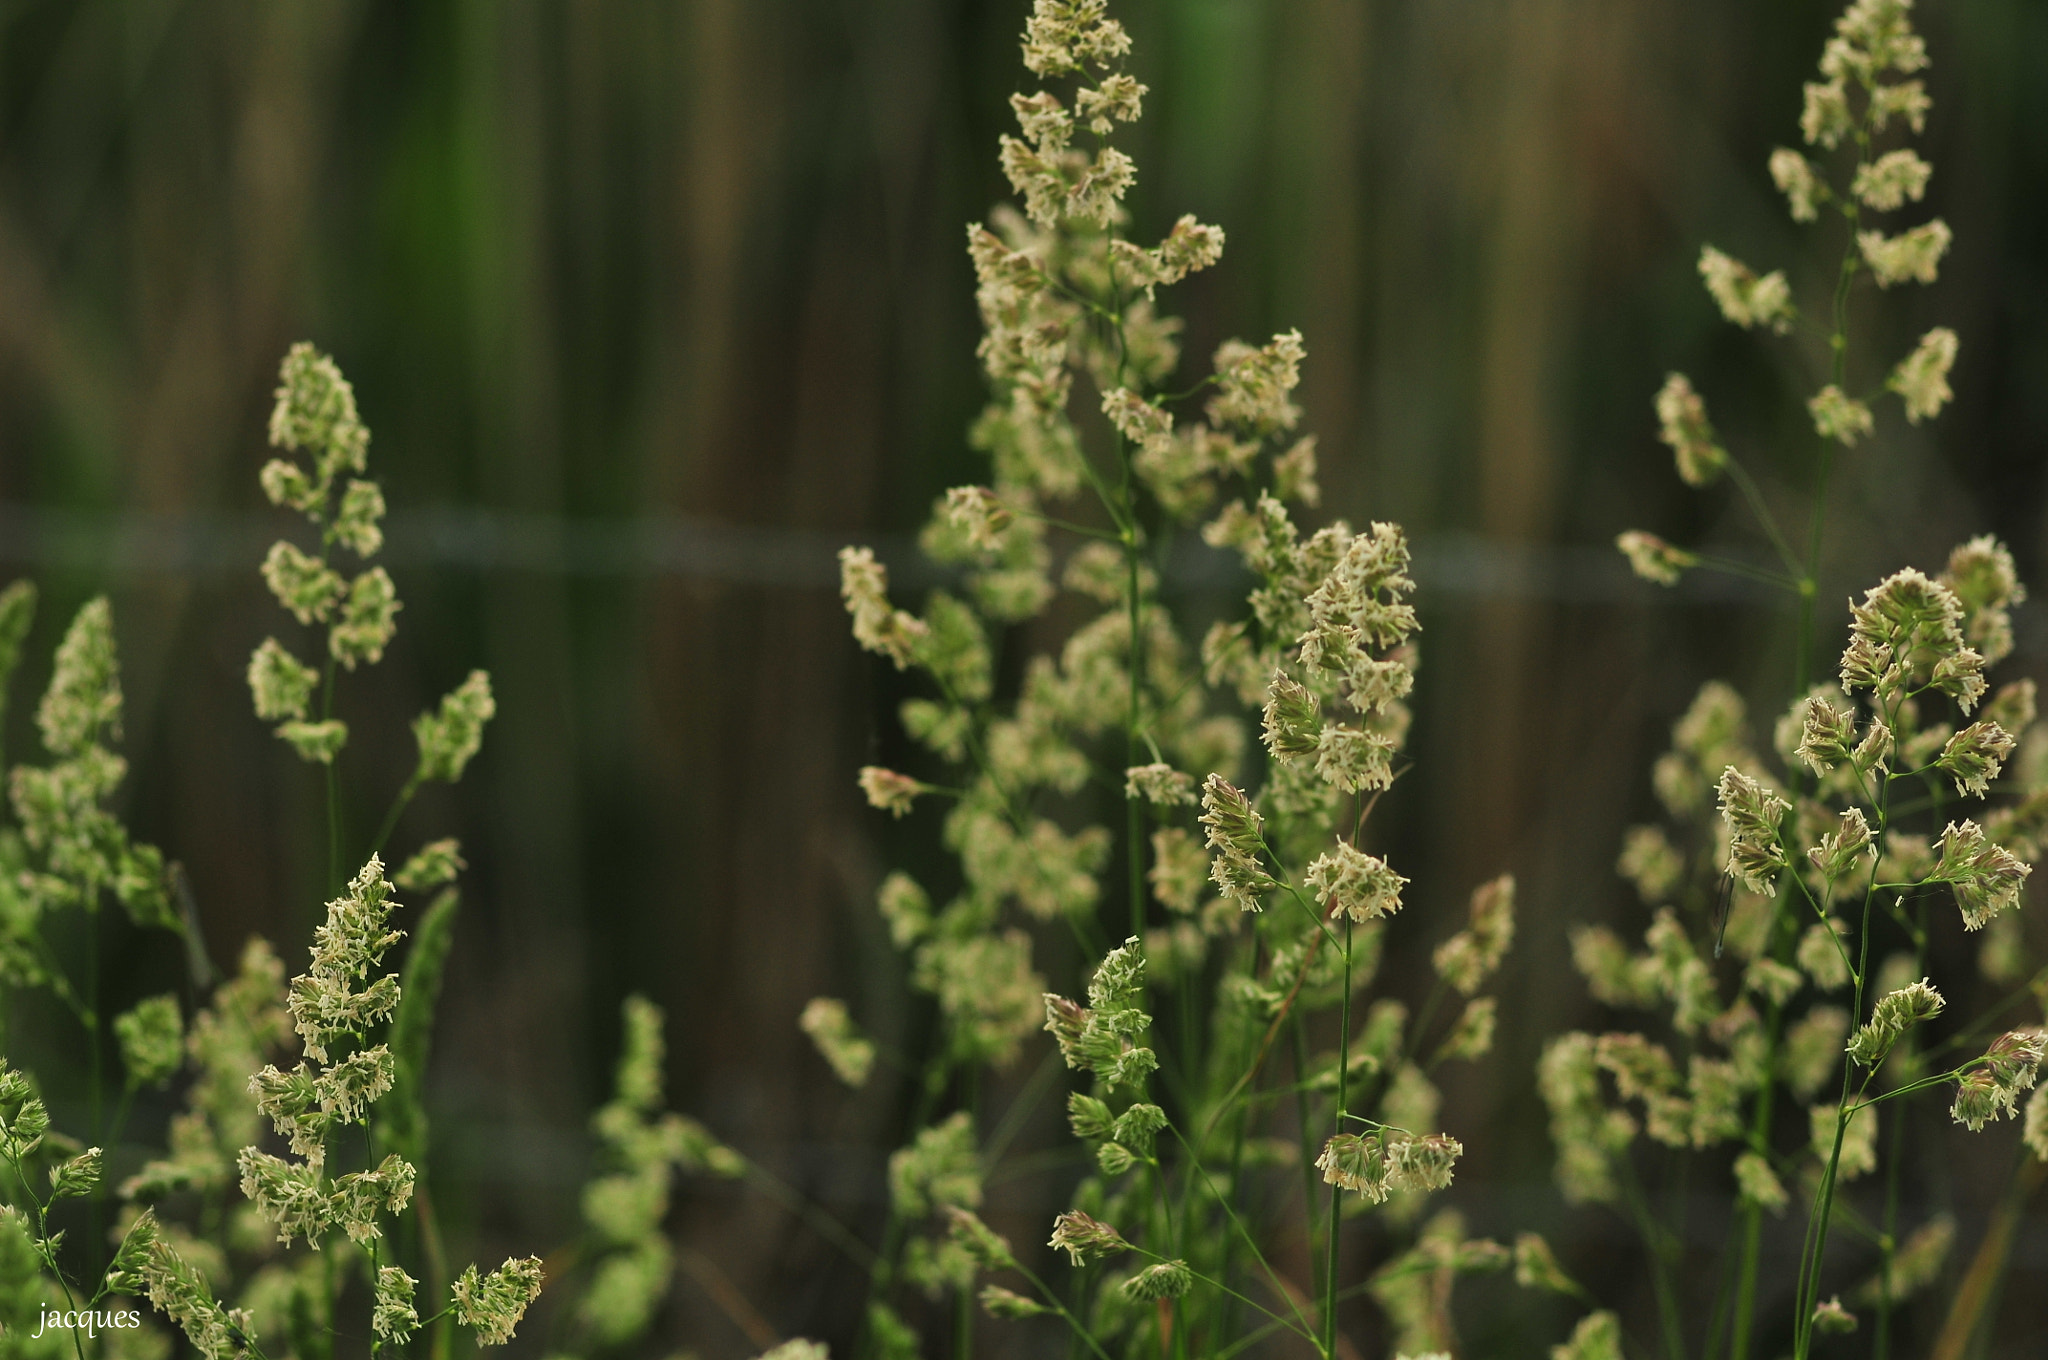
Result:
652,307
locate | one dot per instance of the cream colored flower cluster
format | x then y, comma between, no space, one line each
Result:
1868,89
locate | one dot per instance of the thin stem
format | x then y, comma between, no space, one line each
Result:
799,1204
398,807
1337,1191
48,1254
1250,1241
1809,1293
1739,474
1838,343
937,1068
1288,1323
1728,566
1308,1152
332,781
1881,1349
1753,1214
93,1031
1660,1265
1134,804
1073,1322
1279,1019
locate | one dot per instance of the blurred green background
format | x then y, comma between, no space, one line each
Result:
651,306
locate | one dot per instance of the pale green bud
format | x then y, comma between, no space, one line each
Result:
76,1176
1159,784
1753,813
889,791
1653,559
1986,583
494,1304
1472,1036
1163,1280
1820,953
797,1348
1986,878
448,739
1756,1184
316,411
989,1249
287,484
1812,1048
289,1195
1537,1267
1091,1118
839,1040
84,696
1915,1264
1771,980
1649,861
1892,180
1824,119
305,585
361,1196
626,1208
1838,852
1085,1238
940,1167
877,626
279,682
1831,1317
291,1101
1136,419
1839,416
1974,756
1356,1162
1921,378
1421,1165
1294,473
1471,956
906,907
392,1318
152,1039
317,742
1802,185
1683,426
625,1291
1253,385
1893,1015
432,865
1911,256
369,616
1859,1139
1825,733
1742,296
2008,1067
348,1088
999,1302
1293,719
1135,1127
356,522
1907,100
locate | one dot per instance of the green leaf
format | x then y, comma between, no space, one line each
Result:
401,1125
17,612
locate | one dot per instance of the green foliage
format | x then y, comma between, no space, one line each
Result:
1118,701
403,1129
